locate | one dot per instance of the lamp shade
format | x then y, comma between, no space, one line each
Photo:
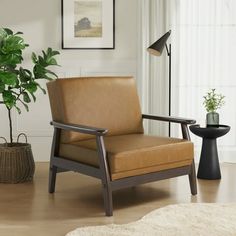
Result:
157,47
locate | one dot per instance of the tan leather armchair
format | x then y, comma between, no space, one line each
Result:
98,131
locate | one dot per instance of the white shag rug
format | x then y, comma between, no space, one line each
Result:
193,219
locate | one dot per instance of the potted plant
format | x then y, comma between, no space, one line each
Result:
212,102
17,89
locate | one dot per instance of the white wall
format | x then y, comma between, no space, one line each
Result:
41,23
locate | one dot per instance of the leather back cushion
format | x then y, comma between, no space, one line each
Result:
103,102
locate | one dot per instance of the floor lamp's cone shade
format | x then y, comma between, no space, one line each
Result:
157,47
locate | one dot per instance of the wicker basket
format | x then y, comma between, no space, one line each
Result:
16,162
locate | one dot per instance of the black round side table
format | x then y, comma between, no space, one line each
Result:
209,167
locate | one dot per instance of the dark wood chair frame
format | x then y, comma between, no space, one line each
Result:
60,164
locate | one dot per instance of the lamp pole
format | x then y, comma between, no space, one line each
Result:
169,84
156,49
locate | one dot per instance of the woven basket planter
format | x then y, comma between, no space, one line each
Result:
16,162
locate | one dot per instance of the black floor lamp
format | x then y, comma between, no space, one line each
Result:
156,50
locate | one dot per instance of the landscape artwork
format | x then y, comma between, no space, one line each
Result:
87,18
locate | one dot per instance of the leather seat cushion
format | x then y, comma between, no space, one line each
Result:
133,154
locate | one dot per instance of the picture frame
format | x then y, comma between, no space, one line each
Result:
88,24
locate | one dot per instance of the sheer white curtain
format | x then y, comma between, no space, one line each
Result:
204,49
152,71
203,42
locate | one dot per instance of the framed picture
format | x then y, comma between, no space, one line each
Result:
88,24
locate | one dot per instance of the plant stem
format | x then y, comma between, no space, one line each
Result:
10,124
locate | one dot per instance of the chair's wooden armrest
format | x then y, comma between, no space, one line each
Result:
80,128
169,119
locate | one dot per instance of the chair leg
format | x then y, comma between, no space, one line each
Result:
192,179
52,179
107,198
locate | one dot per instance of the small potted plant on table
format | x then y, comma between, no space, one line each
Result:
17,87
212,102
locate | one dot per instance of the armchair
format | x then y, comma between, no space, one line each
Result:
98,132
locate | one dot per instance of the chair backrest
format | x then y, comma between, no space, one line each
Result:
103,102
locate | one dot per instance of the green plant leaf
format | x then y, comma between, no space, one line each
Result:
52,61
2,86
8,78
42,61
213,101
8,31
17,33
13,43
30,87
10,59
34,58
43,90
8,98
3,33
25,75
48,57
16,83
26,97
52,53
39,71
51,73
33,96
18,110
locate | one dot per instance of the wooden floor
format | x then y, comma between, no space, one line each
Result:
28,210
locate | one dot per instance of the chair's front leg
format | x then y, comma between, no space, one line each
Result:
107,198
54,152
106,188
52,179
192,179
192,173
